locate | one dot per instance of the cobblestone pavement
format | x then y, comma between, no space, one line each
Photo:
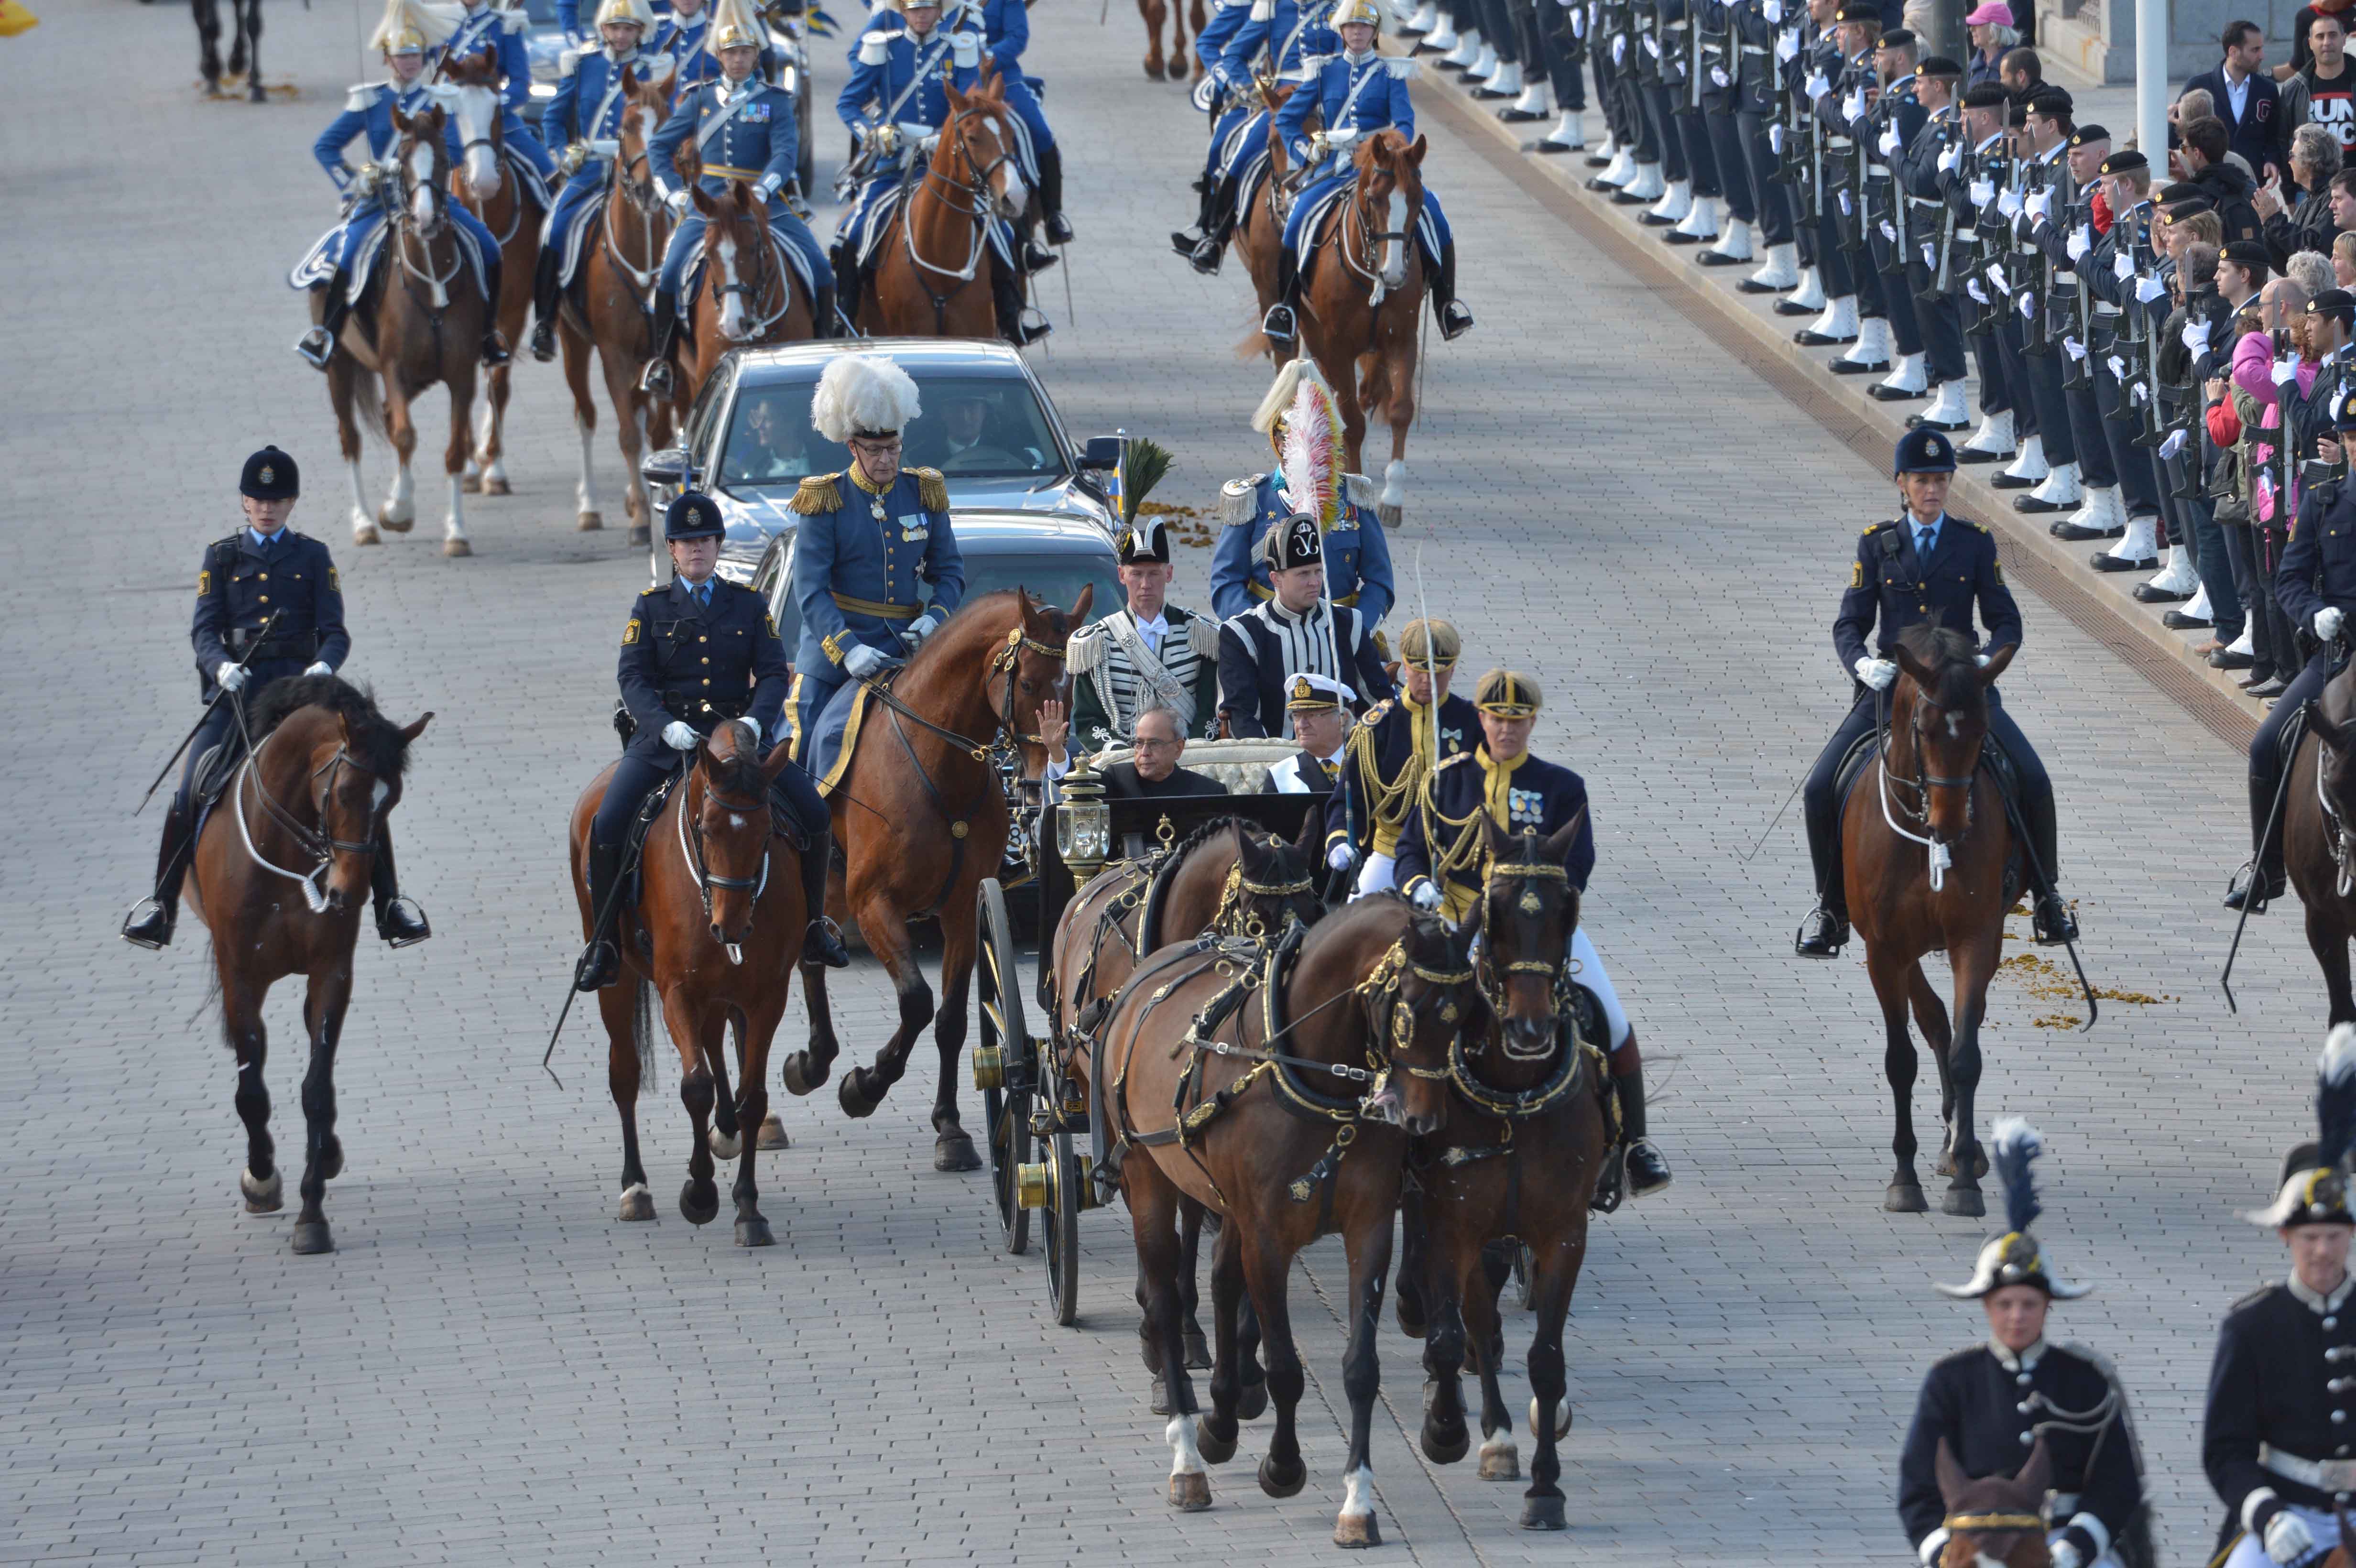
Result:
491,1369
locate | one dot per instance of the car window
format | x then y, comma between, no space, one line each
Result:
969,426
1057,578
699,418
541,12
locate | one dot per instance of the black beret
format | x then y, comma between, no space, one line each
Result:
2178,212
2125,163
1938,65
2249,254
2086,135
1986,95
1854,12
270,475
1896,38
2050,101
2333,301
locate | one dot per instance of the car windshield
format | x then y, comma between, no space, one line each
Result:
972,427
541,12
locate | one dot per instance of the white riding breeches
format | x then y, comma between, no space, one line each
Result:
1379,874
1588,970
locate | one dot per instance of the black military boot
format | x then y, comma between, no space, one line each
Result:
1277,324
1823,933
544,303
2265,868
1647,1172
600,964
1018,326
150,922
656,379
398,919
319,345
2050,921
495,350
1051,195
822,942
848,287
1455,316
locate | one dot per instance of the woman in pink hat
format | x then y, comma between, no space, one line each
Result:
1992,34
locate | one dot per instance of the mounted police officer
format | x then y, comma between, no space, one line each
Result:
744,130
1319,710
1991,1404
2316,585
1440,867
871,537
1150,654
1358,555
1392,751
263,573
1355,94
587,111
2278,1441
1927,566
482,27
369,198
1263,649
697,653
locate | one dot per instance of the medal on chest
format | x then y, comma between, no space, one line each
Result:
876,506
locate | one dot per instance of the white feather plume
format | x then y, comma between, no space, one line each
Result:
861,392
1311,474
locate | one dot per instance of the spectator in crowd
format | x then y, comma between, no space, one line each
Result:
2344,262
2301,54
1992,36
2022,72
2314,224
2227,184
2324,92
2243,96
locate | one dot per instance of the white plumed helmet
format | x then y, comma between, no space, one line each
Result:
863,395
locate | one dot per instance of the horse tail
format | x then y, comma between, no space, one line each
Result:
367,401
644,1026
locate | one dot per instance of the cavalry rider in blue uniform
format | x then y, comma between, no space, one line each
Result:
587,111
682,34
482,27
1355,94
2316,585
871,539
402,38
1927,566
895,103
1358,555
1294,38
697,653
745,129
1989,1407
263,570
1439,867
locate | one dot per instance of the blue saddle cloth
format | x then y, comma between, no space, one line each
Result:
835,736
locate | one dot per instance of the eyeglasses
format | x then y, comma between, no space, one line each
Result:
1144,744
876,448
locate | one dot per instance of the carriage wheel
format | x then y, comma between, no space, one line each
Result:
1004,1038
1061,1229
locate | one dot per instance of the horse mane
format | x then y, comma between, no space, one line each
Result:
738,774
375,741
1948,654
960,627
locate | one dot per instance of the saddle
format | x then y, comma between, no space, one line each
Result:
2294,730
214,770
1995,763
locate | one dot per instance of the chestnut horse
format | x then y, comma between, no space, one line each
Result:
307,805
1260,212
1999,1519
1362,300
2318,811
1527,1138
930,276
611,310
1925,841
712,941
488,183
421,321
749,295
1153,11
1284,1150
922,818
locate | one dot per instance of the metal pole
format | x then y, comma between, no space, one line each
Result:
2151,84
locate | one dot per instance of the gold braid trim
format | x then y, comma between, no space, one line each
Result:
817,493
932,489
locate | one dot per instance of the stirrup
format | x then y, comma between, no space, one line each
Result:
1037,257
1031,327
149,925
654,382
1821,936
1455,320
1206,256
600,966
2050,921
1278,324
495,350
2249,879
1647,1172
822,944
316,348
401,922
1183,242
544,341
1059,229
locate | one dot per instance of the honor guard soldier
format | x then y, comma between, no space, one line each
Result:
682,35
264,578
1152,653
2279,1443
697,653
1926,566
1320,707
1440,867
1989,1407
1392,751
1261,650
483,28
744,130
1303,429
2316,585
871,538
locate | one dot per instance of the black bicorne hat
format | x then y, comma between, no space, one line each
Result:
2313,1190
1143,541
2016,1258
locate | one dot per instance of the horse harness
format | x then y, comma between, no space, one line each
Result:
969,200
1941,851
316,842
406,228
772,266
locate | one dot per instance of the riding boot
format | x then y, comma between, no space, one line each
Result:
398,919
1205,212
1647,1172
1826,930
319,345
1051,195
1219,222
495,344
1006,292
1277,324
151,920
822,942
1455,318
850,282
2051,921
545,290
495,348
824,321
2266,869
600,964
655,380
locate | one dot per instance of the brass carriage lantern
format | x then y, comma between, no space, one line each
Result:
1082,824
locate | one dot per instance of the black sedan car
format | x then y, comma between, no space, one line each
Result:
986,424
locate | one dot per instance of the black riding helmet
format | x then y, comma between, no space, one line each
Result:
694,516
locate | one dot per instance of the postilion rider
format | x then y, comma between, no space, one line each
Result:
1391,751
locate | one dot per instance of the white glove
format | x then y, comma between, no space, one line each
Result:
1772,10
321,667
229,676
2003,285
1427,897
864,662
2173,445
2118,367
2081,242
1620,49
1787,45
2327,623
1577,22
1653,48
2062,1551
679,737
1718,77
573,157
2150,289
1981,660
925,626
2027,305
1889,231
2123,266
2008,203
2195,337
1853,106
2039,205
2073,349
1818,87
1978,295
1952,159
367,178
1931,256
679,201
928,144
2287,1538
1982,192
1775,140
1889,143
2286,370
886,138
1878,674
1339,856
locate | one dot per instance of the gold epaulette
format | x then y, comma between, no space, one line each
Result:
932,489
1982,526
817,493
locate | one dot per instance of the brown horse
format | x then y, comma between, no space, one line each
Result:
1994,1519
922,818
931,273
488,185
308,805
2318,846
611,310
422,321
1260,212
1362,299
749,295
712,941
1283,1151
1154,11
1526,1141
1924,843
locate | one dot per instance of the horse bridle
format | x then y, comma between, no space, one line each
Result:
319,843
691,843
1923,783
757,288
1493,980
975,207
1397,1030
641,198
1370,238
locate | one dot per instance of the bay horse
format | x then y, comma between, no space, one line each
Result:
245,45
922,818
610,310
931,273
421,321
1924,844
307,805
1999,1519
1363,1008
2318,848
1361,297
1526,1139
750,295
1154,11
488,185
711,942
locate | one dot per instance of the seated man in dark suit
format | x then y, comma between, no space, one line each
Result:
1154,772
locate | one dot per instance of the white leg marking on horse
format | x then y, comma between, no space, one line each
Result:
1185,1459
723,1147
1395,483
453,527
1359,1497
363,524
584,492
401,500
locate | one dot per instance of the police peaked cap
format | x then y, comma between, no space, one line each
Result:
270,475
694,516
1924,451
1986,95
2087,135
1143,542
1294,542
